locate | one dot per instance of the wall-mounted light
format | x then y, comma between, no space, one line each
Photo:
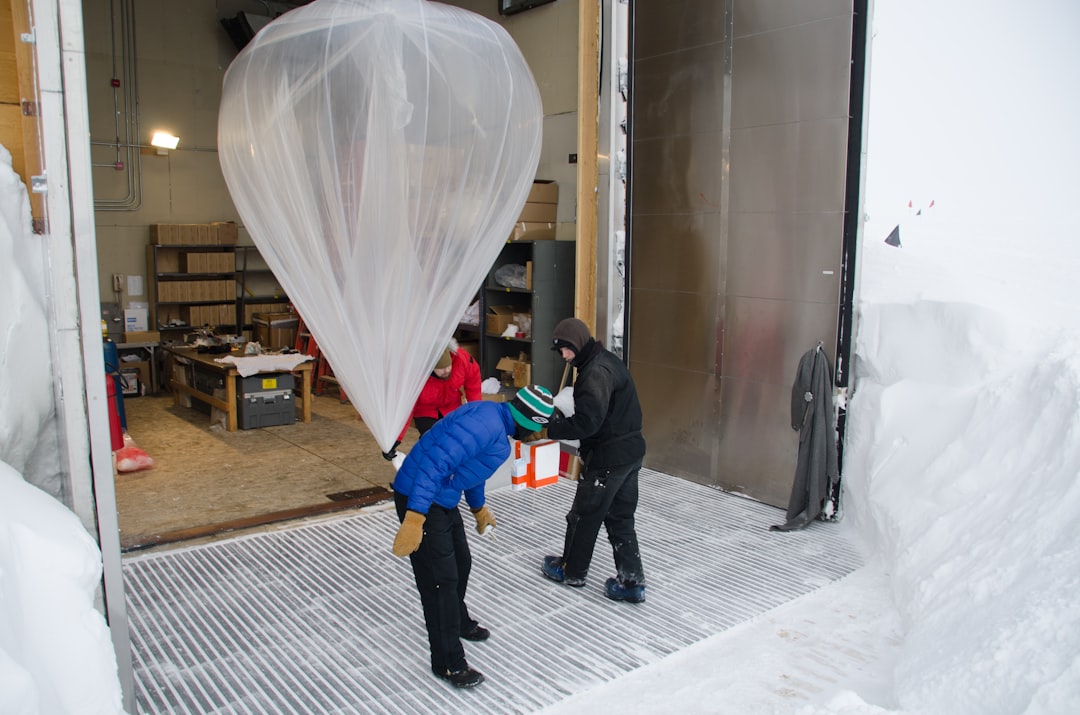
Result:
164,142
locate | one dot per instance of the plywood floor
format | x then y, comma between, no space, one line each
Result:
207,481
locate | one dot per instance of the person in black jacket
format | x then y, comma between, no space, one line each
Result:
607,420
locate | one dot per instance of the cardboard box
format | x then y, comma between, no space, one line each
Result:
142,336
498,317
208,262
135,377
218,233
180,377
534,212
544,192
189,234
520,369
523,374
274,331
226,233
526,231
472,347
536,464
135,319
570,464
164,234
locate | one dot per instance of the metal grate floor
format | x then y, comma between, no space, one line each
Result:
322,618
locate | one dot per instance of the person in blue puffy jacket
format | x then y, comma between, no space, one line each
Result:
456,456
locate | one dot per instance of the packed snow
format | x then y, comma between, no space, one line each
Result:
963,445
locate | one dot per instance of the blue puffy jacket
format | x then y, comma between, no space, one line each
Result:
457,455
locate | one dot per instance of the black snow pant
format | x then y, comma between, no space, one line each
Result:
608,497
423,424
441,567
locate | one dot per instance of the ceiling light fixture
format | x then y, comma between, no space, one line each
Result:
164,142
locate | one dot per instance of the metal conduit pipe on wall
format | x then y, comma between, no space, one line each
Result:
124,148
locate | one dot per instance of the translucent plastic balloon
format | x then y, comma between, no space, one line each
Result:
379,152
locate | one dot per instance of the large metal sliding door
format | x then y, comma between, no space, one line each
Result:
739,123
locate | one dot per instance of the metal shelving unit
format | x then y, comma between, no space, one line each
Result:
257,288
549,299
191,286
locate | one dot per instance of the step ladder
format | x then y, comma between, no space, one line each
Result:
323,374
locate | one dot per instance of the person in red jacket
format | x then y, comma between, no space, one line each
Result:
454,381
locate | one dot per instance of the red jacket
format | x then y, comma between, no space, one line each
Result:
440,397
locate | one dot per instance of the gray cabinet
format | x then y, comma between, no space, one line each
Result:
546,298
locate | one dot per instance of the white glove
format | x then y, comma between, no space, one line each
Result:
565,401
398,460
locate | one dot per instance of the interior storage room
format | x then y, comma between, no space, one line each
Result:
738,266
177,268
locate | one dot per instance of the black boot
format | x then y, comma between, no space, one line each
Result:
464,678
476,633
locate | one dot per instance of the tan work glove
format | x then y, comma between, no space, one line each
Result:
410,534
485,520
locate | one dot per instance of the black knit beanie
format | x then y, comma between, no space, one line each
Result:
570,333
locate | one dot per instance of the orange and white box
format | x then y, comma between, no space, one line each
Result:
536,464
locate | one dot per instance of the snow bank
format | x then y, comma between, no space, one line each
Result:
28,434
56,655
963,452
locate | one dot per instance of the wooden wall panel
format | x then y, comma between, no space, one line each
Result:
18,129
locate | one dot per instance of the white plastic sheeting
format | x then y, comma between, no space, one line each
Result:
378,152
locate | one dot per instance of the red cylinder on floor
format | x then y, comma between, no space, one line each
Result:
115,432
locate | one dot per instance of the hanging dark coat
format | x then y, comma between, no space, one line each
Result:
811,415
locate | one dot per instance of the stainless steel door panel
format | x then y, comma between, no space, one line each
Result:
791,75
757,448
789,167
682,411
663,26
785,256
680,92
738,161
677,330
755,16
677,174
682,252
766,338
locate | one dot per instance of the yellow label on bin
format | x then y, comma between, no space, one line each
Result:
269,383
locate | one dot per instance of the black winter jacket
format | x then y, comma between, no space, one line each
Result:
607,414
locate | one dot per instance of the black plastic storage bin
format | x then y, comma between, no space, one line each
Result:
266,400
266,409
207,382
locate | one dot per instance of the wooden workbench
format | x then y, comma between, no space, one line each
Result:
230,372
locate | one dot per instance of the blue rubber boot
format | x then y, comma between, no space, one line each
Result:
618,592
553,569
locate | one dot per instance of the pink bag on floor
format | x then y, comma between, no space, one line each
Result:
132,459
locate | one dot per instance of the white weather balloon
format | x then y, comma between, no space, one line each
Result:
378,152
